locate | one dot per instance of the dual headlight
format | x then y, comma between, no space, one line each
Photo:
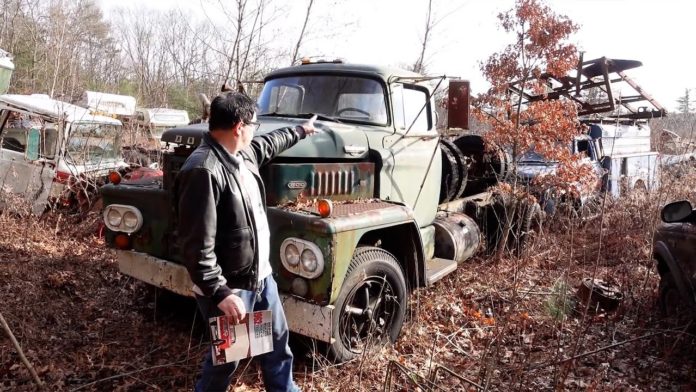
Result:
126,219
302,257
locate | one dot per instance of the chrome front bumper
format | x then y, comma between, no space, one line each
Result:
303,318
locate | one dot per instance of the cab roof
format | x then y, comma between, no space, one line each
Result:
43,105
165,116
381,72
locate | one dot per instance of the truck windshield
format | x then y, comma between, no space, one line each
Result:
157,131
92,143
348,98
532,156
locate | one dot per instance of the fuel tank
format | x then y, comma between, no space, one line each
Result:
457,236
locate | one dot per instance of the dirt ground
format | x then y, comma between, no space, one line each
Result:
498,324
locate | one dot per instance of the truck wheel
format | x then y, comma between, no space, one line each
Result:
371,305
670,300
529,219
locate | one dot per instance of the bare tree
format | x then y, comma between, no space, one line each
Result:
142,42
57,45
419,65
302,33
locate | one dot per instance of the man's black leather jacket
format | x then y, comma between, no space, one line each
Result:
216,228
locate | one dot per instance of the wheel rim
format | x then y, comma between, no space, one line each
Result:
368,314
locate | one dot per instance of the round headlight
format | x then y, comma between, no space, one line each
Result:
114,217
130,219
292,255
309,261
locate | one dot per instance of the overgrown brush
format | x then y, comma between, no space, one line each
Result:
516,324
507,324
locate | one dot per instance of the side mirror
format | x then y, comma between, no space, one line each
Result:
679,211
458,104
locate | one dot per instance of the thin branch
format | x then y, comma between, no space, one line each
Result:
17,347
299,39
128,374
588,353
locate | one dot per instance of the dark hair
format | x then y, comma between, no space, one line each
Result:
229,108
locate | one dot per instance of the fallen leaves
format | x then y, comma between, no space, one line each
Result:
82,322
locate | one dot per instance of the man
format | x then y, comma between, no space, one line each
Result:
223,230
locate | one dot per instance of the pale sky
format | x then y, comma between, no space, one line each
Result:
388,32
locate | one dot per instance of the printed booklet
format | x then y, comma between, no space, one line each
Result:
232,342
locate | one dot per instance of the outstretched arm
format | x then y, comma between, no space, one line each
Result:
266,147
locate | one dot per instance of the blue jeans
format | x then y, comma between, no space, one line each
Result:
276,366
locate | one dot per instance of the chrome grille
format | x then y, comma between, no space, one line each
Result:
332,182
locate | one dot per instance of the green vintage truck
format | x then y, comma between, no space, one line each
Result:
405,204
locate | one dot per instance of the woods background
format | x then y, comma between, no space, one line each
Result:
163,58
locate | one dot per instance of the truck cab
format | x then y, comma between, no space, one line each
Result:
154,121
52,149
354,211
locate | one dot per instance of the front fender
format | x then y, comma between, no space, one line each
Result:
337,236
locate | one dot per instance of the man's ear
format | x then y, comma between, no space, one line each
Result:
238,128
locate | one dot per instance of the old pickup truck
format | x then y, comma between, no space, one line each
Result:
52,150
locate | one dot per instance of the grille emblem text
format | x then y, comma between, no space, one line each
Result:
297,184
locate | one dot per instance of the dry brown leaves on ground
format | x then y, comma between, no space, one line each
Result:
510,324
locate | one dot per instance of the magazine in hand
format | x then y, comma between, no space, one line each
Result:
250,337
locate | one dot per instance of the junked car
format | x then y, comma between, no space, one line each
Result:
673,252
54,151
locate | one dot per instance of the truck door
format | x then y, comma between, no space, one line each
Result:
591,156
27,158
416,161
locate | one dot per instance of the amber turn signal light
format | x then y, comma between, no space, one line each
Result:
115,177
122,241
325,207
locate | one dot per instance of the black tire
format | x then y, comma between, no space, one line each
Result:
371,306
450,174
460,167
529,219
670,301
